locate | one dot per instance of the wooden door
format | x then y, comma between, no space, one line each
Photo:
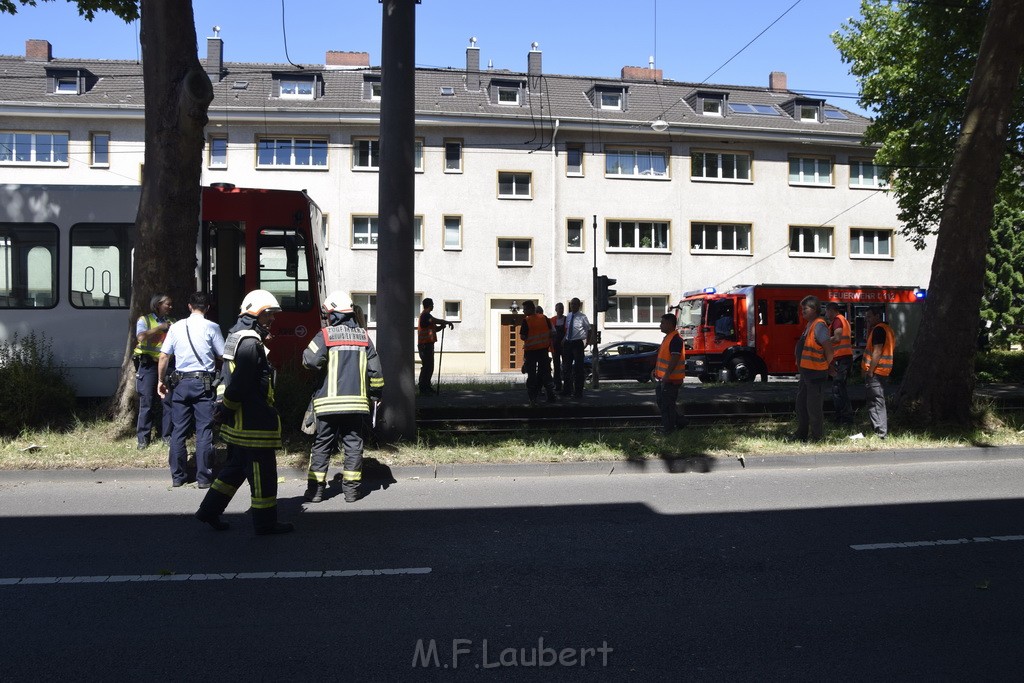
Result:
511,345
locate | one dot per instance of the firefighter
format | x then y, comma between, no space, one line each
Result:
536,334
150,331
352,376
842,362
813,356
669,373
877,366
250,424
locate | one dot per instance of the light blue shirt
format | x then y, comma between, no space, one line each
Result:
206,338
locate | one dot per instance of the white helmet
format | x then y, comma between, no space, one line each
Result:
336,302
258,301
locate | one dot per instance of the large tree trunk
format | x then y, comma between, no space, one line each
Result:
939,384
177,96
395,255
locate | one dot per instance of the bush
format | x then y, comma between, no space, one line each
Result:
36,392
999,366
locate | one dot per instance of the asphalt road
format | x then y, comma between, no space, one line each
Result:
905,572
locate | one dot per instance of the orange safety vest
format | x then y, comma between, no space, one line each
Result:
425,333
538,332
884,366
845,345
813,357
665,360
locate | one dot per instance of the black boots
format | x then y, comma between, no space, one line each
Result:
315,493
212,519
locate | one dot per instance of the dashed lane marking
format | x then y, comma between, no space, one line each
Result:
166,578
948,541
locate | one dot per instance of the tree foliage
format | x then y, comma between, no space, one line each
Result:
125,9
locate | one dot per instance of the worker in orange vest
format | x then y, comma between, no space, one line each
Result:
877,366
535,332
813,356
842,362
669,373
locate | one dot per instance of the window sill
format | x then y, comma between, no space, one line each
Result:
322,169
99,165
719,252
574,175
636,250
364,247
623,176
222,167
453,171
869,187
796,254
830,186
36,164
728,181
503,264
868,257
513,196
575,250
366,169
452,249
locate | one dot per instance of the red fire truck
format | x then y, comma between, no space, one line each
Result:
752,330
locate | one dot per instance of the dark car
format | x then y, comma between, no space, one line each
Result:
625,360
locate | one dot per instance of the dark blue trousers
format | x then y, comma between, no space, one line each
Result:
145,385
192,405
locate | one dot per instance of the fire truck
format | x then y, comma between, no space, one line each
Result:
752,330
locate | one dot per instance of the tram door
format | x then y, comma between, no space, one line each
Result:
511,345
224,263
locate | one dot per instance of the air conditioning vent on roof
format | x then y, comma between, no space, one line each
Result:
240,85
447,90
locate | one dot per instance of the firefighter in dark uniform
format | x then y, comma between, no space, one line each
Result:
352,376
250,424
150,331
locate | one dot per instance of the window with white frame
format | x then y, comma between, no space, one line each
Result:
720,238
808,112
574,234
366,154
636,310
574,160
33,148
292,152
865,173
635,162
508,94
515,251
325,230
371,88
514,185
368,302
810,241
66,84
218,151
720,166
711,106
610,99
810,171
417,155
453,310
453,232
870,243
297,87
99,149
417,233
453,156
637,236
364,232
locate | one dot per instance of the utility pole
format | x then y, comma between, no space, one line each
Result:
595,375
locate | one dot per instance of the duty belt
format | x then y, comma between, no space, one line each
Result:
194,375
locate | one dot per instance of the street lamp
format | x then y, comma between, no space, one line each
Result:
659,125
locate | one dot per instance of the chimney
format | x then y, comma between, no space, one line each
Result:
38,50
348,60
215,56
639,73
533,67
472,66
777,81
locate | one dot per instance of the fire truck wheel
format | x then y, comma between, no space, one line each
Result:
741,370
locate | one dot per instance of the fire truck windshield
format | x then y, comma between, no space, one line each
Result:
690,314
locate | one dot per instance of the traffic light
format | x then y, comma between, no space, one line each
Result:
604,294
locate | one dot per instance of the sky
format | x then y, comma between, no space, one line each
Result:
690,40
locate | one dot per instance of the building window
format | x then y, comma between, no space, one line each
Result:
636,162
325,230
610,99
364,232
218,152
368,302
711,106
453,156
637,310
508,95
866,174
515,252
574,234
810,241
453,232
100,267
366,154
514,185
720,238
297,88
866,243
417,233
808,112
33,148
293,152
810,171
637,236
371,88
574,160
99,149
28,265
720,166
453,311
417,158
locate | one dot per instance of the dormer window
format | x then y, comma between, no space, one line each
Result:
808,112
371,88
611,99
806,109
66,84
297,87
508,95
608,96
710,103
711,107
68,81
507,92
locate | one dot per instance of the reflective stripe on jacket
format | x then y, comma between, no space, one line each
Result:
151,347
845,345
813,356
884,366
665,360
352,371
538,332
248,390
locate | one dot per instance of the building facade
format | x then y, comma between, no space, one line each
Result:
524,180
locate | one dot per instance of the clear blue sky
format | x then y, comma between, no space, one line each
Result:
689,39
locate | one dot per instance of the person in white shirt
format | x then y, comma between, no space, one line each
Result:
577,334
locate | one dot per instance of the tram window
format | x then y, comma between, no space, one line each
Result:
101,264
28,265
284,268
787,312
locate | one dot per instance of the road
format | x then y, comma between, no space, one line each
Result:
908,572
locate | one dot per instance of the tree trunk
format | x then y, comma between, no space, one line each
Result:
396,206
177,96
939,384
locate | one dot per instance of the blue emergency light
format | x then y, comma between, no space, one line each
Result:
920,293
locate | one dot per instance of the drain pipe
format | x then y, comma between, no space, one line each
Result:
554,211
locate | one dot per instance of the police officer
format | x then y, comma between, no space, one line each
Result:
351,374
250,424
150,331
197,346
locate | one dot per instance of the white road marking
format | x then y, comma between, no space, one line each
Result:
144,578
922,544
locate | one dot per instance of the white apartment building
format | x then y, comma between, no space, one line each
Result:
689,185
